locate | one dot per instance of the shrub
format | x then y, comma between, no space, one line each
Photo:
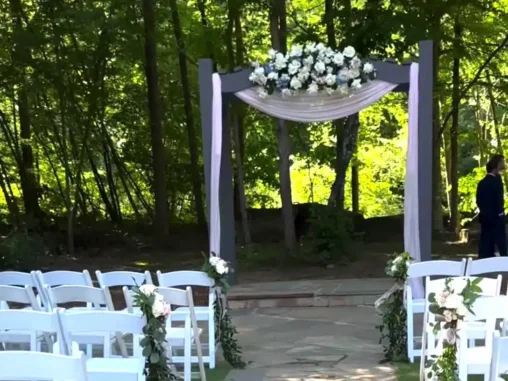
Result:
330,234
21,251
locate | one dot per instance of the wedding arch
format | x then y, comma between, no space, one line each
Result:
218,89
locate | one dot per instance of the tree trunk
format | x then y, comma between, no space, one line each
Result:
189,116
355,188
161,221
279,42
454,134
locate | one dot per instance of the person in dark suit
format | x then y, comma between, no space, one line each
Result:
490,201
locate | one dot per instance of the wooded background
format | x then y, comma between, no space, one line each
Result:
99,113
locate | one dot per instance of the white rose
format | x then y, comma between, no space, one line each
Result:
408,263
349,52
331,79
329,91
255,64
462,310
272,53
357,84
221,268
308,61
310,48
259,71
286,92
329,69
273,75
158,308
338,59
343,90
285,77
320,67
441,298
329,52
293,67
262,93
368,68
295,83
344,76
148,289
304,73
313,88
394,268
214,260
280,61
453,301
354,73
320,47
296,51
356,63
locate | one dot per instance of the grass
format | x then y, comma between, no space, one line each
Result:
219,373
410,372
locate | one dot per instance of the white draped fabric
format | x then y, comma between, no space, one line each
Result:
317,108
411,216
322,108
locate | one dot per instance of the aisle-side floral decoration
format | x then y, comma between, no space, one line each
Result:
452,305
312,69
393,314
156,311
218,269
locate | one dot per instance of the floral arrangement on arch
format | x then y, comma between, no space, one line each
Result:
218,270
313,69
452,304
393,313
155,348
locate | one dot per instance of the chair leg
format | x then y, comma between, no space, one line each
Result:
199,351
211,342
410,337
187,362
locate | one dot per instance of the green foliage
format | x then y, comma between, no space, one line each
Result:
393,327
21,251
330,234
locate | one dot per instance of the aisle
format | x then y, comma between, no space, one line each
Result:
310,343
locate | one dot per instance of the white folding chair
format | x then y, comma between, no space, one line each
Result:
91,296
487,266
476,329
183,337
22,365
60,278
417,306
109,366
21,296
29,324
127,279
203,313
478,360
499,363
20,279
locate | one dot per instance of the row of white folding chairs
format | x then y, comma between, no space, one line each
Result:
111,327
41,281
441,268
487,360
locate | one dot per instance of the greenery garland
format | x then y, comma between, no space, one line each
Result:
156,312
393,314
452,304
217,269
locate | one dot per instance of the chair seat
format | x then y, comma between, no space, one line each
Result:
122,369
15,337
179,314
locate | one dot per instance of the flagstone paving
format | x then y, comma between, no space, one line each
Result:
316,343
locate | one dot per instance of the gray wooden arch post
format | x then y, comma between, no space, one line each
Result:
239,80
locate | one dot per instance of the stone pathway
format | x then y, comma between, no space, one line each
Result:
318,343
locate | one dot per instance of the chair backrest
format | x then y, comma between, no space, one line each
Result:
20,295
104,322
487,266
184,278
437,268
31,322
499,364
489,286
123,278
17,278
78,294
22,365
175,296
60,278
